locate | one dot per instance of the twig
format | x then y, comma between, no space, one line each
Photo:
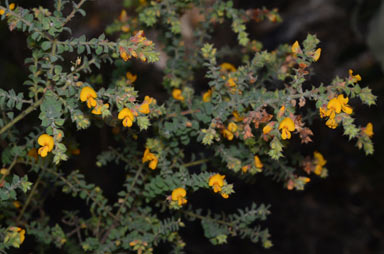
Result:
21,115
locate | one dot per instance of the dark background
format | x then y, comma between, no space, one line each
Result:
341,214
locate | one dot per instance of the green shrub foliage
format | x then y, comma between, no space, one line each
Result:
243,122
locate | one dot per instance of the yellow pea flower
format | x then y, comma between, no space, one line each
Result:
97,109
216,181
231,82
286,126
344,106
47,142
123,16
316,55
295,47
354,78
237,116
177,95
207,95
331,123
178,195
144,107
227,134
232,127
124,54
2,11
125,28
16,204
89,95
13,232
152,158
227,67
323,112
368,130
267,129
224,195
319,162
132,78
333,107
257,162
12,6
127,116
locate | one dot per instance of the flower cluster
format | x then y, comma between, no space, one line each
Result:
217,183
87,94
335,106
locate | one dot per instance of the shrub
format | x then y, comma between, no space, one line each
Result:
232,123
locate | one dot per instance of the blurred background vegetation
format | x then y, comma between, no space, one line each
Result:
341,214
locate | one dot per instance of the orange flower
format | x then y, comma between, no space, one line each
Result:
368,130
286,126
97,109
319,162
257,162
132,78
316,55
47,142
216,181
152,158
207,95
267,129
127,116
177,95
89,95
178,195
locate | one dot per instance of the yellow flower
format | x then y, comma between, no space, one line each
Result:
4,171
216,181
227,67
177,95
11,6
11,234
267,129
227,134
224,195
319,162
316,55
344,106
123,54
123,16
46,143
333,107
231,82
125,28
368,130
286,126
132,78
323,112
331,123
127,116
144,107
232,127
295,47
244,168
16,204
354,78
2,11
89,95
97,109
178,195
152,158
238,118
257,162
207,95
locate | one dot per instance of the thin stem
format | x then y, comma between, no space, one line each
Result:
22,115
29,198
72,14
194,163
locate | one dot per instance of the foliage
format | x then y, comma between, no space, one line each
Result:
245,123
